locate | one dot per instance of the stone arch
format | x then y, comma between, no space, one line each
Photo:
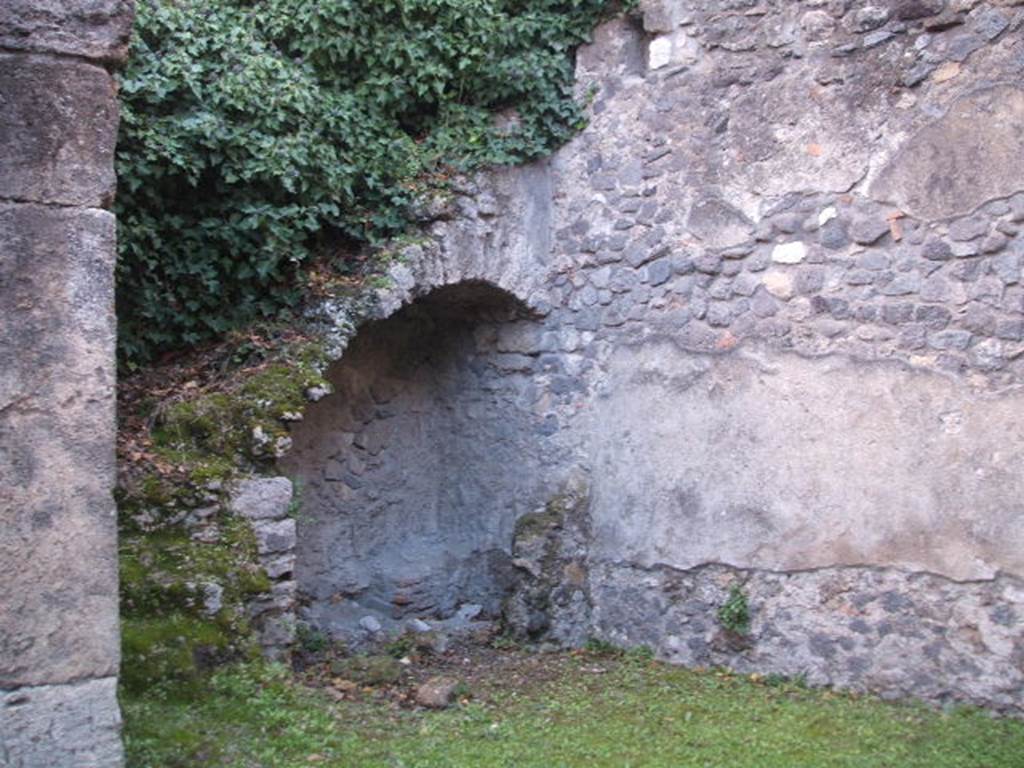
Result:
413,472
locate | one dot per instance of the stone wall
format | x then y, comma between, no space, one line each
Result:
776,336
58,560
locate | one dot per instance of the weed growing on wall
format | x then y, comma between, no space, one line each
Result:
734,613
251,131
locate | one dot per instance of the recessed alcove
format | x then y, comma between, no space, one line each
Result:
413,472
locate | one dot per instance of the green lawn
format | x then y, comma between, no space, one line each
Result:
590,712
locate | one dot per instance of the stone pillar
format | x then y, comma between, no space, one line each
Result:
59,643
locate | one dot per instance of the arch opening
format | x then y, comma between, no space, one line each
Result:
413,472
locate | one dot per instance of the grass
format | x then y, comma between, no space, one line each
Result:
621,712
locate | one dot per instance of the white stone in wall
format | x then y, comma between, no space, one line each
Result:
789,253
660,52
674,48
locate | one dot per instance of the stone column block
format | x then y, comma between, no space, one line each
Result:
93,29
58,554
59,118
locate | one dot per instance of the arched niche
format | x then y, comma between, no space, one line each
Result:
413,472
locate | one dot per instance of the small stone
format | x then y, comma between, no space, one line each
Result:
370,624
213,598
868,18
868,230
1016,204
809,281
877,37
315,394
990,23
1011,330
947,71
437,692
779,283
943,21
789,253
935,318
659,271
937,250
659,52
745,285
994,243
963,45
682,264
719,314
720,289
898,314
788,223
968,228
763,305
988,355
951,339
280,566
262,498
708,264
599,277
965,250
917,74
274,536
418,625
833,235
902,285
817,25
909,10
874,261
1007,266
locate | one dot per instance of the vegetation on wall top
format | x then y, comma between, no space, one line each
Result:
252,131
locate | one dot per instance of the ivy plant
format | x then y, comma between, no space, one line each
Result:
255,131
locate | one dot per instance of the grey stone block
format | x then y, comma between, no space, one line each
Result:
93,29
61,726
262,498
58,558
62,118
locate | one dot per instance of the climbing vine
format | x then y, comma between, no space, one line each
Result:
254,132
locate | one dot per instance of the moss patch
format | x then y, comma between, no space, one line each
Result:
368,670
189,569
245,421
534,524
183,599
172,649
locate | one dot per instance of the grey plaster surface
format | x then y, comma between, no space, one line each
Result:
785,463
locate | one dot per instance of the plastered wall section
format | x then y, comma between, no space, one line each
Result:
58,556
793,233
